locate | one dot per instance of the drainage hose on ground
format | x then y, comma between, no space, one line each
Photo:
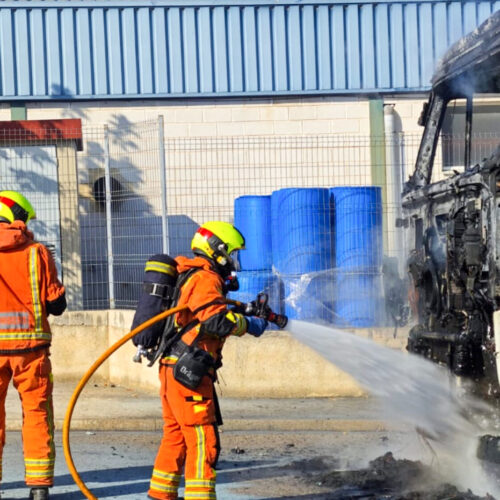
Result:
85,379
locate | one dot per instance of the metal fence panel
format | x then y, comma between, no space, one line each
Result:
129,194
120,212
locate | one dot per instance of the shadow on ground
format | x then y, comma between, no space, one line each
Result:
135,480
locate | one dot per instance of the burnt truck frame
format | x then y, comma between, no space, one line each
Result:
453,225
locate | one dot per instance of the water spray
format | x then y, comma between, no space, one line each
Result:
413,390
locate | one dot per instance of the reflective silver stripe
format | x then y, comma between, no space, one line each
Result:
200,483
25,336
38,461
200,450
14,321
164,487
35,292
160,267
48,471
166,475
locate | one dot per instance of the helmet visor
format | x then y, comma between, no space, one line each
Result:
235,258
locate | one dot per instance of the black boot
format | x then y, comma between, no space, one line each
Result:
40,493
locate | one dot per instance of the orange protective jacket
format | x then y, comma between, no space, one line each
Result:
28,282
206,287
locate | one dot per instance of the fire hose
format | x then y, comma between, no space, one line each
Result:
259,307
71,405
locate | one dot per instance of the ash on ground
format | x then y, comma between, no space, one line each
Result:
387,478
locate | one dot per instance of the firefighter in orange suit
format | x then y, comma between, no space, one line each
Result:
29,292
190,437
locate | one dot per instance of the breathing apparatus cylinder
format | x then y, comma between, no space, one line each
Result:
157,294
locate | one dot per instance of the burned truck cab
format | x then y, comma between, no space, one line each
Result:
451,212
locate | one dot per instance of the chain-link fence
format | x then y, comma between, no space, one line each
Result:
121,209
318,212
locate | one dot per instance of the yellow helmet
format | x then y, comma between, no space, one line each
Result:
219,241
14,206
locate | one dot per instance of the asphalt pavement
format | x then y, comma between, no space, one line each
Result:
266,443
109,407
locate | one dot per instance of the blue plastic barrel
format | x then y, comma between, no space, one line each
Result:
301,235
254,282
309,297
277,232
252,216
357,213
359,301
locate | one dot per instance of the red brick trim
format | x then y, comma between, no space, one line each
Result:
41,131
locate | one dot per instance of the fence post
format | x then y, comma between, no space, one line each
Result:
163,181
109,228
377,152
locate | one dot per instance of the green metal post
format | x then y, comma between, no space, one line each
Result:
378,160
18,111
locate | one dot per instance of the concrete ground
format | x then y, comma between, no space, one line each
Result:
270,446
108,407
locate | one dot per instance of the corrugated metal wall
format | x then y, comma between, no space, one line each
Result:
108,49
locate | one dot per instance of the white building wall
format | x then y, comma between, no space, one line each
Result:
221,118
229,118
234,117
197,181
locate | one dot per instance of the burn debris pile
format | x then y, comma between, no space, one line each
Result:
391,479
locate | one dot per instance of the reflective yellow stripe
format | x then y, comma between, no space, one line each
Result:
206,495
166,475
170,359
25,336
240,323
50,424
199,408
162,487
35,292
200,450
39,461
200,483
48,473
231,317
160,267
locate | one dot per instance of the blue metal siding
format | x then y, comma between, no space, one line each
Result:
130,49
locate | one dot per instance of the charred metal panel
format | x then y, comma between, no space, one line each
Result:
453,225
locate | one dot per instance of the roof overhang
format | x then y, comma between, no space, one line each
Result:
41,132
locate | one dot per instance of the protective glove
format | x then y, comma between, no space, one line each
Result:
256,326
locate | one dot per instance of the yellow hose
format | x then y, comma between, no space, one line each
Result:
85,379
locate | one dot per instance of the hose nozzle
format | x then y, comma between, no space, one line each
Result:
280,320
261,309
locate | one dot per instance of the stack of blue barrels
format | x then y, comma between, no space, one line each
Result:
302,251
252,216
357,213
317,252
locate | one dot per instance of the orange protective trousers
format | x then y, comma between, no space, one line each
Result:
190,440
31,374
